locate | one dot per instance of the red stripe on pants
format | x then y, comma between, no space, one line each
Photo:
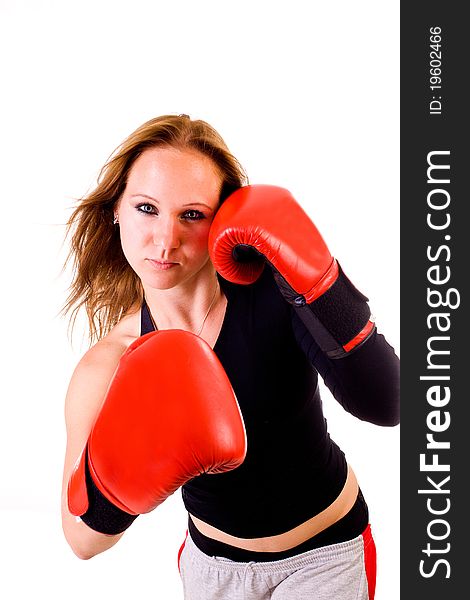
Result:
370,560
181,549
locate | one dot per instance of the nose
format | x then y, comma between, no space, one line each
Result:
166,234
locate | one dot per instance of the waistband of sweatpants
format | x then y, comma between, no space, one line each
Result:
348,549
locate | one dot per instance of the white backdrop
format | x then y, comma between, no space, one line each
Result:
306,96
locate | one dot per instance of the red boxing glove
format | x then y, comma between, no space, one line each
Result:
170,414
259,223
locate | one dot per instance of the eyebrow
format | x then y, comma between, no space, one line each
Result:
184,205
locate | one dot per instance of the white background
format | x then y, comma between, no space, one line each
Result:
306,96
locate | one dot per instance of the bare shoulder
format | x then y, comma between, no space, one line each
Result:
94,371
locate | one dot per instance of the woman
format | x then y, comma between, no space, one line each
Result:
288,519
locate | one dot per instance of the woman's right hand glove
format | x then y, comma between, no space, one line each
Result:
169,414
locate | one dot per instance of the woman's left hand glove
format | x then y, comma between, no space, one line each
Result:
259,223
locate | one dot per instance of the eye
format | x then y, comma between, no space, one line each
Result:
147,209
193,215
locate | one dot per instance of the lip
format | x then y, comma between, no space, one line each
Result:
162,265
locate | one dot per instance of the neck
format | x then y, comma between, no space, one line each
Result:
184,306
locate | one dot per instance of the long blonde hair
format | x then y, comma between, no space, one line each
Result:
103,282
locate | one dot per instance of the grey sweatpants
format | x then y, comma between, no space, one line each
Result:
344,571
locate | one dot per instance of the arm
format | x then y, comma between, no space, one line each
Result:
262,224
85,394
366,383
159,425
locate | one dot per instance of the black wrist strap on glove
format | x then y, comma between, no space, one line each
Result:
335,318
102,515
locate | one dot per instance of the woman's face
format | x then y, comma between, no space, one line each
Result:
165,214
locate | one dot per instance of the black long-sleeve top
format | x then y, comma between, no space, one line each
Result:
293,469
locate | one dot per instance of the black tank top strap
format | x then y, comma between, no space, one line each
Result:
146,325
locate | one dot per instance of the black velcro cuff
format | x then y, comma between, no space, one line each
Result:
333,319
102,515
342,310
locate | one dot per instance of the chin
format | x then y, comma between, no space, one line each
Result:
161,283
166,280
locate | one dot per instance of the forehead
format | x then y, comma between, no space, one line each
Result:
168,173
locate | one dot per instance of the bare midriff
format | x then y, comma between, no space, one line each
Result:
289,539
